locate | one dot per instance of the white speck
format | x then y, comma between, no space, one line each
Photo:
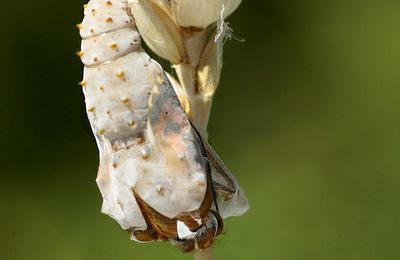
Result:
183,231
198,220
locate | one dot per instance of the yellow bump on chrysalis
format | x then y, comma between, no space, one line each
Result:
109,3
80,54
92,30
160,190
91,109
83,83
93,11
121,75
114,165
125,100
145,155
84,6
114,46
79,26
101,88
132,123
109,20
102,131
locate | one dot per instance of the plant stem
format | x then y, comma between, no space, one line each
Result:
204,254
200,105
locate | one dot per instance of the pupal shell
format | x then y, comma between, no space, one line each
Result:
155,170
181,93
145,140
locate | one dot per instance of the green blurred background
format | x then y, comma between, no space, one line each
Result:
307,117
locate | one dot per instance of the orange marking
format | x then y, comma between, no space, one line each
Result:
121,75
83,83
80,54
114,46
125,100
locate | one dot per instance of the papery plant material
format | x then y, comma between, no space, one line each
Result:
209,68
201,14
200,27
202,30
158,176
158,29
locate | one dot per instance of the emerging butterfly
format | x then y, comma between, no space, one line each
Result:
159,178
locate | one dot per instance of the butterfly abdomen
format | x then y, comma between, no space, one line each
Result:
115,79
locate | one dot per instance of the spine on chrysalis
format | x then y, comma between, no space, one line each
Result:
117,84
115,81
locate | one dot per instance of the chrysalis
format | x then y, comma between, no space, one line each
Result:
159,179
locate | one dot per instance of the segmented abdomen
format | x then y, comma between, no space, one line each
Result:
115,82
147,146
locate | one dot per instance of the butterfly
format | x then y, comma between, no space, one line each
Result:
159,178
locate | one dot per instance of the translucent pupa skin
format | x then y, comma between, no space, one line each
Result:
154,167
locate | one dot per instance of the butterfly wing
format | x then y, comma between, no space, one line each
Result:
177,182
230,198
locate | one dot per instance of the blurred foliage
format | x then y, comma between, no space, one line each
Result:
307,117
